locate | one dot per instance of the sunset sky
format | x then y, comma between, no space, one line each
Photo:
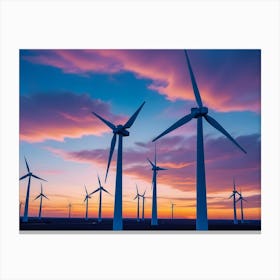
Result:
66,145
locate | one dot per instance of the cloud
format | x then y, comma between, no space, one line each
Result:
60,115
229,80
177,153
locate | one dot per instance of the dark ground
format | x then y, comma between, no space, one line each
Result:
80,224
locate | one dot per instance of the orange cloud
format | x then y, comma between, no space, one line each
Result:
228,79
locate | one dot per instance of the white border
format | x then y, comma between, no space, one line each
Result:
139,24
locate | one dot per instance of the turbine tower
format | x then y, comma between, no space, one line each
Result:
155,168
234,192
172,210
41,195
138,198
69,210
87,197
143,205
100,189
121,131
199,113
20,204
241,198
29,175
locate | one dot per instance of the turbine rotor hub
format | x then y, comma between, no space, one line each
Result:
121,130
199,112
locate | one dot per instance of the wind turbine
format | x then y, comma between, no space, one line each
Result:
155,168
143,205
20,203
241,198
41,195
172,210
234,192
100,189
198,113
87,197
121,131
138,198
29,175
69,212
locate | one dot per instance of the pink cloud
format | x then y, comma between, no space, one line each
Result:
226,82
223,162
57,116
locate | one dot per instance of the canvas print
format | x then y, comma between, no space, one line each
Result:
140,140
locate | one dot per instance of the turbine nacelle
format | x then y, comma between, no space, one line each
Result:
199,112
120,129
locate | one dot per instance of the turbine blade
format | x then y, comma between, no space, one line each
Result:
137,190
155,154
94,191
86,190
244,199
130,122
23,176
112,126
41,188
85,199
37,196
135,197
177,124
99,181
45,196
113,143
194,85
231,196
26,165
160,168
105,190
216,125
150,162
38,178
238,199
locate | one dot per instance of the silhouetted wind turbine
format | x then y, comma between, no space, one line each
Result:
143,205
234,192
69,210
121,131
100,189
41,195
20,203
241,198
29,175
172,210
198,113
87,197
138,198
155,168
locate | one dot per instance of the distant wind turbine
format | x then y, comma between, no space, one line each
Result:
100,189
20,204
198,113
241,198
29,175
69,210
87,197
172,210
155,169
143,205
138,198
234,192
121,131
41,195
